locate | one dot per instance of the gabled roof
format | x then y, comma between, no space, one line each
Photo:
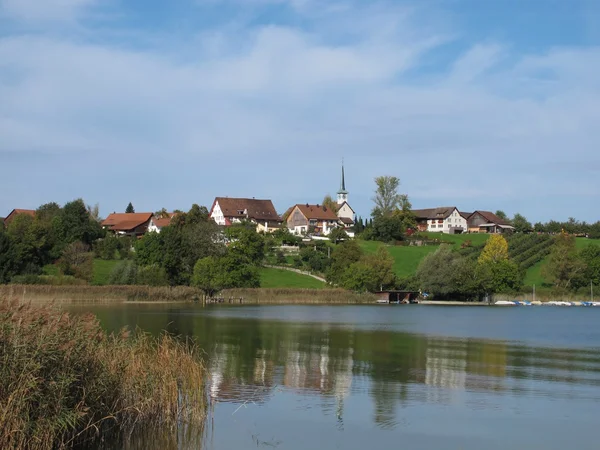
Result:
347,220
126,221
316,212
16,211
491,217
344,203
465,215
247,208
441,212
164,220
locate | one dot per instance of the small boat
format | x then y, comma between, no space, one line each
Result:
505,303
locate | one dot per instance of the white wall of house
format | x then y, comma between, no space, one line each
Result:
152,227
454,220
345,211
217,215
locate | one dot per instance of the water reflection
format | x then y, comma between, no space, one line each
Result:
381,371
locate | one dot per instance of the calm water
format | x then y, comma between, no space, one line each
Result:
418,377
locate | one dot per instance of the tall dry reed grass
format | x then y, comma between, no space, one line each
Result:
64,381
299,296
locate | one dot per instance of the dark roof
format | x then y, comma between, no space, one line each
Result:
347,220
316,212
441,212
250,208
491,217
465,215
125,221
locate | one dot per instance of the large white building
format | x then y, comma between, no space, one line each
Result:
445,219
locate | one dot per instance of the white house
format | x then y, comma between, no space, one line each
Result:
445,219
227,211
158,223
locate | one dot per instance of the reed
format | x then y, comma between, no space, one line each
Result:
98,294
299,296
65,382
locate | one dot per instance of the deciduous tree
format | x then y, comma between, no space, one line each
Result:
563,264
521,224
496,249
387,199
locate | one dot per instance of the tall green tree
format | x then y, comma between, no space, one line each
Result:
330,203
521,224
563,264
387,199
342,257
502,215
75,224
130,209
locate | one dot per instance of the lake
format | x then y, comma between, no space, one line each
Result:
414,376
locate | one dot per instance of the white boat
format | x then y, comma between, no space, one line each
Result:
505,303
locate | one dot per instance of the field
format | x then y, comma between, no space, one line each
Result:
279,278
102,270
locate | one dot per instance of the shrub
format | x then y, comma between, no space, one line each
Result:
153,275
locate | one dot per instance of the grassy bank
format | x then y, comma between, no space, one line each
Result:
280,278
64,381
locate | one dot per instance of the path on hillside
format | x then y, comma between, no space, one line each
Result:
301,272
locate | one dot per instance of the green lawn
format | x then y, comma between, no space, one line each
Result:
459,239
406,258
102,270
279,278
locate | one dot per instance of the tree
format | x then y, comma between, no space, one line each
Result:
246,244
344,255
337,235
521,224
75,224
129,208
499,276
7,258
563,264
496,249
502,215
330,203
590,257
209,275
77,261
153,275
387,199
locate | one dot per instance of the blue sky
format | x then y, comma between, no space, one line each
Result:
476,103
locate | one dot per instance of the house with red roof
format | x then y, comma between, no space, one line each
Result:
158,222
443,219
128,224
15,212
300,219
227,211
487,222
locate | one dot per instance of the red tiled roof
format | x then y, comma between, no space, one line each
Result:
15,212
317,212
250,208
163,222
126,221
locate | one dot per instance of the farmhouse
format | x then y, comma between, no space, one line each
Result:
487,222
15,212
444,219
304,218
226,211
128,224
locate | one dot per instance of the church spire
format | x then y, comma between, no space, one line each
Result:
342,194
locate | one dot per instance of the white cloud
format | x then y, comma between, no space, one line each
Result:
289,103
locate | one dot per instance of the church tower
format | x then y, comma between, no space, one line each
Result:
342,195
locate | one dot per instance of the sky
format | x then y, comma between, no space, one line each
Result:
479,104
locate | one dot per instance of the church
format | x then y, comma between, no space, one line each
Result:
344,211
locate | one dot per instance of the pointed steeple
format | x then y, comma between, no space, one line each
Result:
342,194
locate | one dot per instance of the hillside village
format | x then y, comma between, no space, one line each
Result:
307,219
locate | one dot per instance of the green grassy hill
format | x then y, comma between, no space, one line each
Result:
279,278
407,259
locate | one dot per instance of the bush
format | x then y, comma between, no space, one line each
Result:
63,379
152,276
124,273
